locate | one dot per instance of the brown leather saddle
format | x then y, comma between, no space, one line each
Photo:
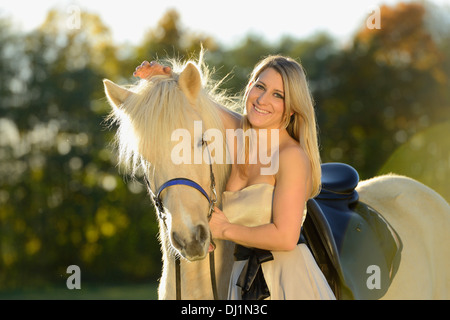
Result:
354,246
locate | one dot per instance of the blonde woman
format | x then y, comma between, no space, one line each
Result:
263,210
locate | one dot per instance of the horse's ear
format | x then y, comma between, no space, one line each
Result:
116,94
190,82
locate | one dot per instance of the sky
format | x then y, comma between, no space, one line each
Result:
227,21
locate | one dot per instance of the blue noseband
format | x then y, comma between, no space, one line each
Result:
179,181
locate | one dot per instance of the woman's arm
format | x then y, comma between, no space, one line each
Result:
292,187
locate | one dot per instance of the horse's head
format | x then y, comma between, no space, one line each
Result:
159,131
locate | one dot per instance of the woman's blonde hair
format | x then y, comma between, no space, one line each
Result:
302,124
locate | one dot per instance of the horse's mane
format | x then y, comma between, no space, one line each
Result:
158,107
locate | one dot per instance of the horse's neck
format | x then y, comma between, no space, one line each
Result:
195,276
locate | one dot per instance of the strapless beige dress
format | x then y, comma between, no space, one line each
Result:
291,275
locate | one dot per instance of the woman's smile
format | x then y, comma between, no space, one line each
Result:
260,111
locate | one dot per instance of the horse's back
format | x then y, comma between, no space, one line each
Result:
391,186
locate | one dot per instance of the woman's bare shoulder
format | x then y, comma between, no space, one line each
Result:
230,118
293,156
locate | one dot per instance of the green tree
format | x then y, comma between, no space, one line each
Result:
169,38
387,86
64,200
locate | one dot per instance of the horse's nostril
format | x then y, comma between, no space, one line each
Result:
202,234
178,241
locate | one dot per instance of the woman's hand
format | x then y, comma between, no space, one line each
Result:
218,223
149,69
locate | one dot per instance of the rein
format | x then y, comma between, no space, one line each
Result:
163,215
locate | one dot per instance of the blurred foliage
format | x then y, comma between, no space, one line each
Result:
425,157
63,200
388,85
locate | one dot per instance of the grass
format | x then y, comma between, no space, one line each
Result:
87,292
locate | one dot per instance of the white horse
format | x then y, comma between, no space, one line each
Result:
150,112
152,117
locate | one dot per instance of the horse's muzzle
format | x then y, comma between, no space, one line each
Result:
194,248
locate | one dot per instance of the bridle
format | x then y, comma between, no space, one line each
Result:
163,216
187,182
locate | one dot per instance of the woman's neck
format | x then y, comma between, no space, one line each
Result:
267,139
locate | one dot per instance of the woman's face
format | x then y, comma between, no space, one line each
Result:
265,101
